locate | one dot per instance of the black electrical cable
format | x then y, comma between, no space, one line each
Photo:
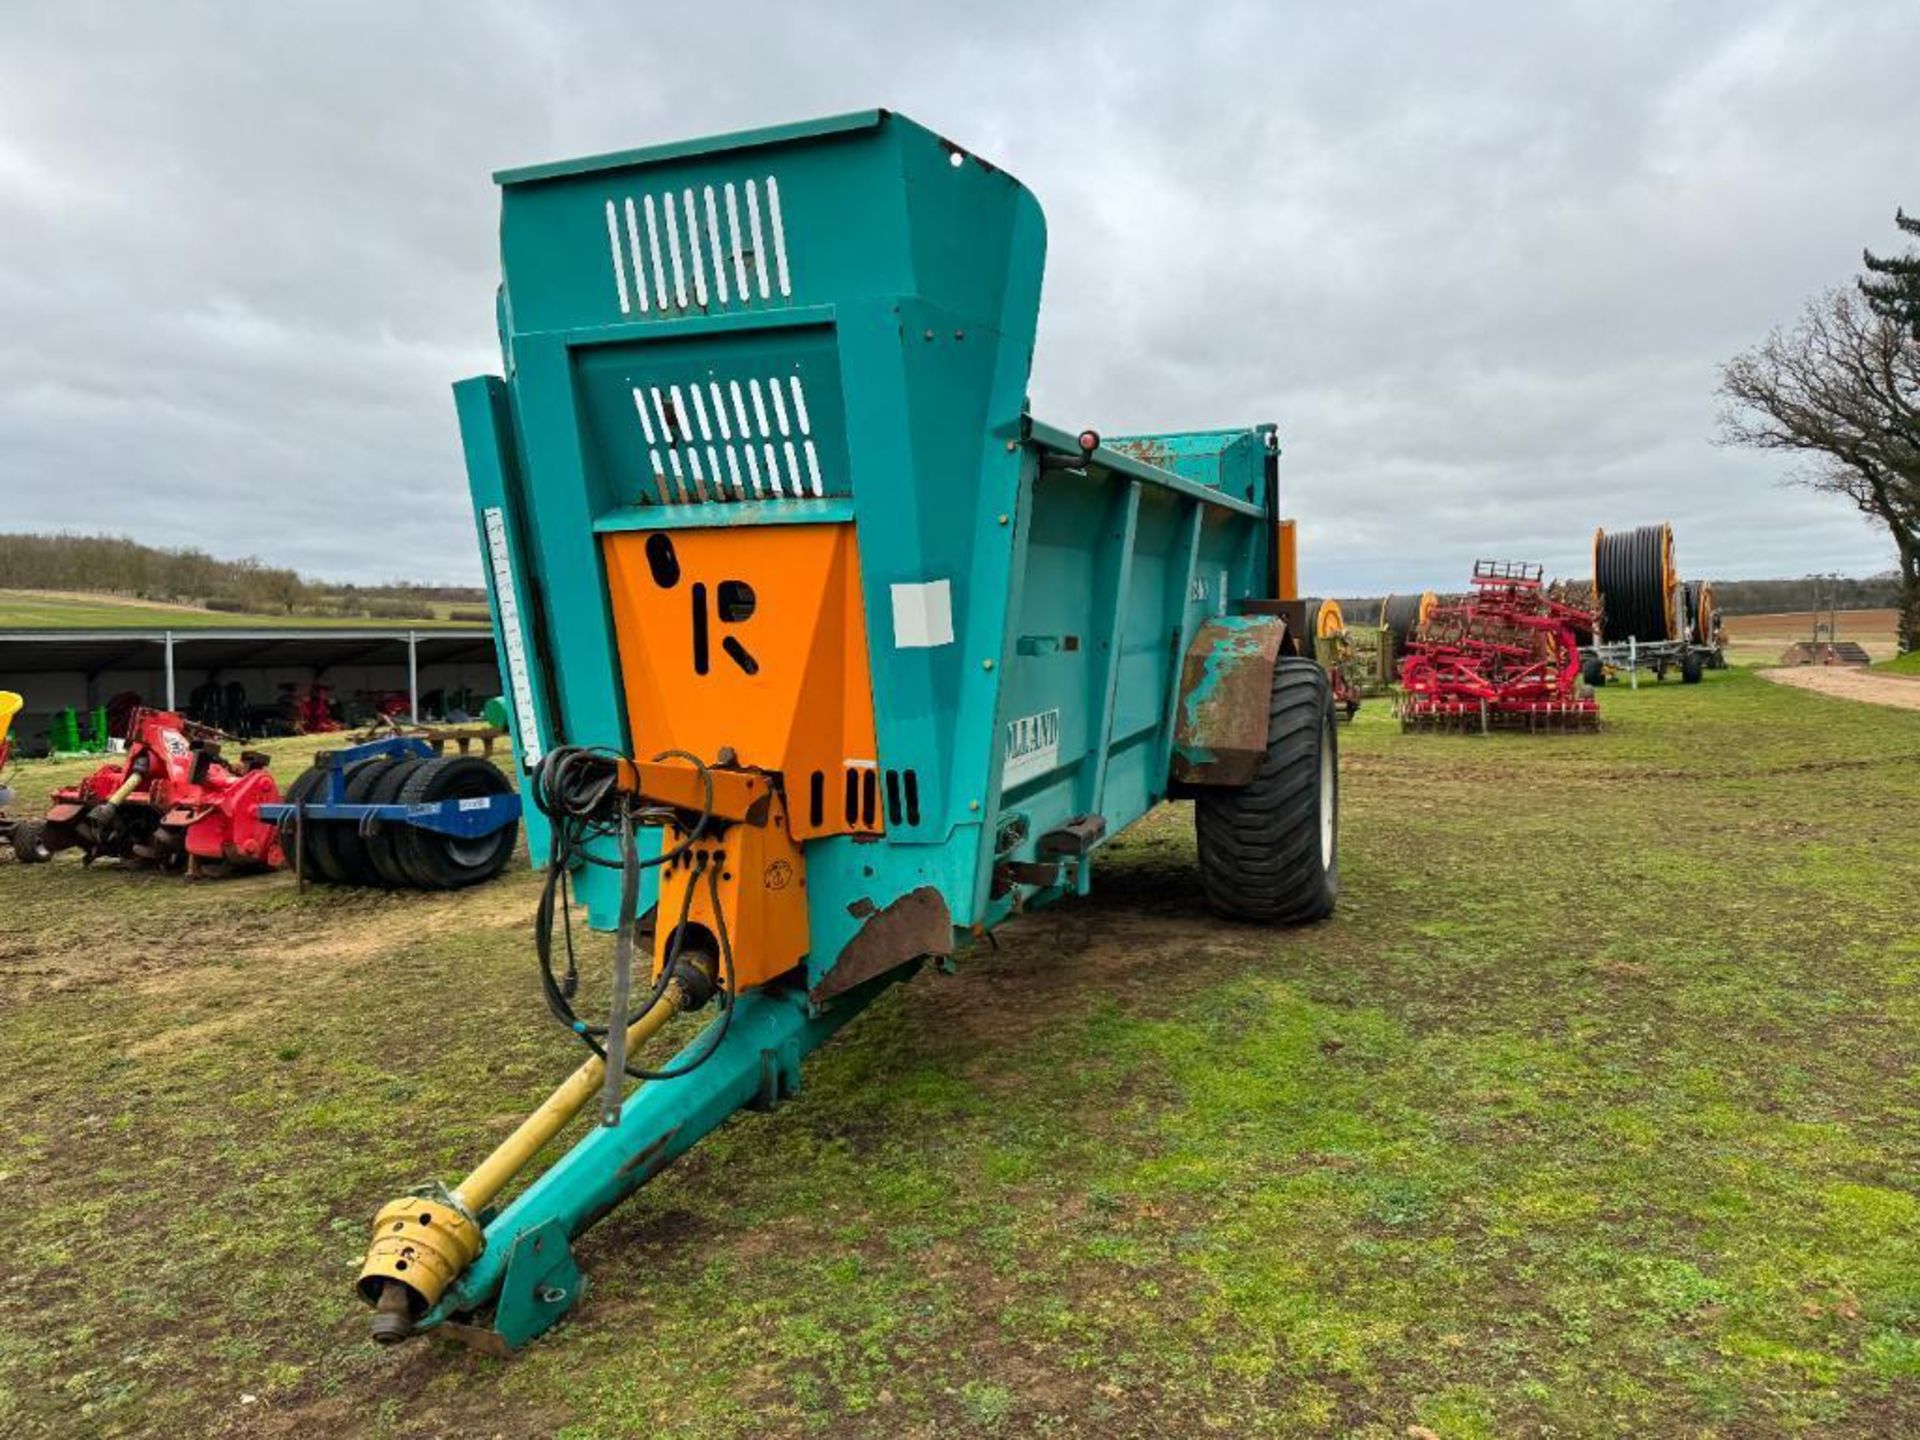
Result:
576,787
725,996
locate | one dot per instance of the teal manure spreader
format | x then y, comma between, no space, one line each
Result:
824,657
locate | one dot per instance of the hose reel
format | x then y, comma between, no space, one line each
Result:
1702,611
1635,578
1403,615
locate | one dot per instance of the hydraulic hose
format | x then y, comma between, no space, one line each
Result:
577,788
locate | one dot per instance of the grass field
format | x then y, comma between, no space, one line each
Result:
59,610
1592,1113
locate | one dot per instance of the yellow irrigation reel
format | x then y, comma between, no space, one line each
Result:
1405,615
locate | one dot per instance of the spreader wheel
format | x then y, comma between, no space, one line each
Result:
1270,849
1690,669
447,862
1594,672
27,835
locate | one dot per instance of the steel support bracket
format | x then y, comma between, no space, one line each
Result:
542,1283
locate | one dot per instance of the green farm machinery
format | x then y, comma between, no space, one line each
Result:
824,656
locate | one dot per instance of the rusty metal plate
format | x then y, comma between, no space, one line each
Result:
1226,685
917,924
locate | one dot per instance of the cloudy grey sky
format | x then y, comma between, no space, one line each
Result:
1481,261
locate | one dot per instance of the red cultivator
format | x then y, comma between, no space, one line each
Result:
172,800
1503,657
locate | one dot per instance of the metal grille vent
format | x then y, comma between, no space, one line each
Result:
710,441
903,797
859,798
679,251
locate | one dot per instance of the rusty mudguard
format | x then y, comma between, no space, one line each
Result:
1226,682
916,925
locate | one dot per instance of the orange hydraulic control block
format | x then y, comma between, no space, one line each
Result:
745,858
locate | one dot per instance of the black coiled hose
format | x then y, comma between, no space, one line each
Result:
577,788
1630,572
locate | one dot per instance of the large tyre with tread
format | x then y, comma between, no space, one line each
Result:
27,835
347,850
383,846
1270,850
335,852
445,862
313,853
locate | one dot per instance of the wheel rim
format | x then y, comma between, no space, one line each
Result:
1328,812
471,853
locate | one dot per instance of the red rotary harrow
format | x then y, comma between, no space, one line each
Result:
1504,656
172,800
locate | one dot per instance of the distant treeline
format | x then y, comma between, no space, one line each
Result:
1735,597
1768,597
115,565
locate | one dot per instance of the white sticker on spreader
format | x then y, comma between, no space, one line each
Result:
519,683
1033,747
478,802
923,615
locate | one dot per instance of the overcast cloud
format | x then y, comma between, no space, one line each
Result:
1480,261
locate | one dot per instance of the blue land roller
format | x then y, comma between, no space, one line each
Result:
824,656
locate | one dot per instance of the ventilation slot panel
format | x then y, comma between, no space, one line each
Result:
741,438
698,250
848,800
903,797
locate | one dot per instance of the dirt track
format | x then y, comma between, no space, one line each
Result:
1847,684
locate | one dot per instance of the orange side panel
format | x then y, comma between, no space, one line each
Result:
1288,549
752,639
762,892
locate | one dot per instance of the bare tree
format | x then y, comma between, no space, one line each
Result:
1841,390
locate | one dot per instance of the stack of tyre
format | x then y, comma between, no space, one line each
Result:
399,857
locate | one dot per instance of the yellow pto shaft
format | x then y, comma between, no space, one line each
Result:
491,1175
421,1243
